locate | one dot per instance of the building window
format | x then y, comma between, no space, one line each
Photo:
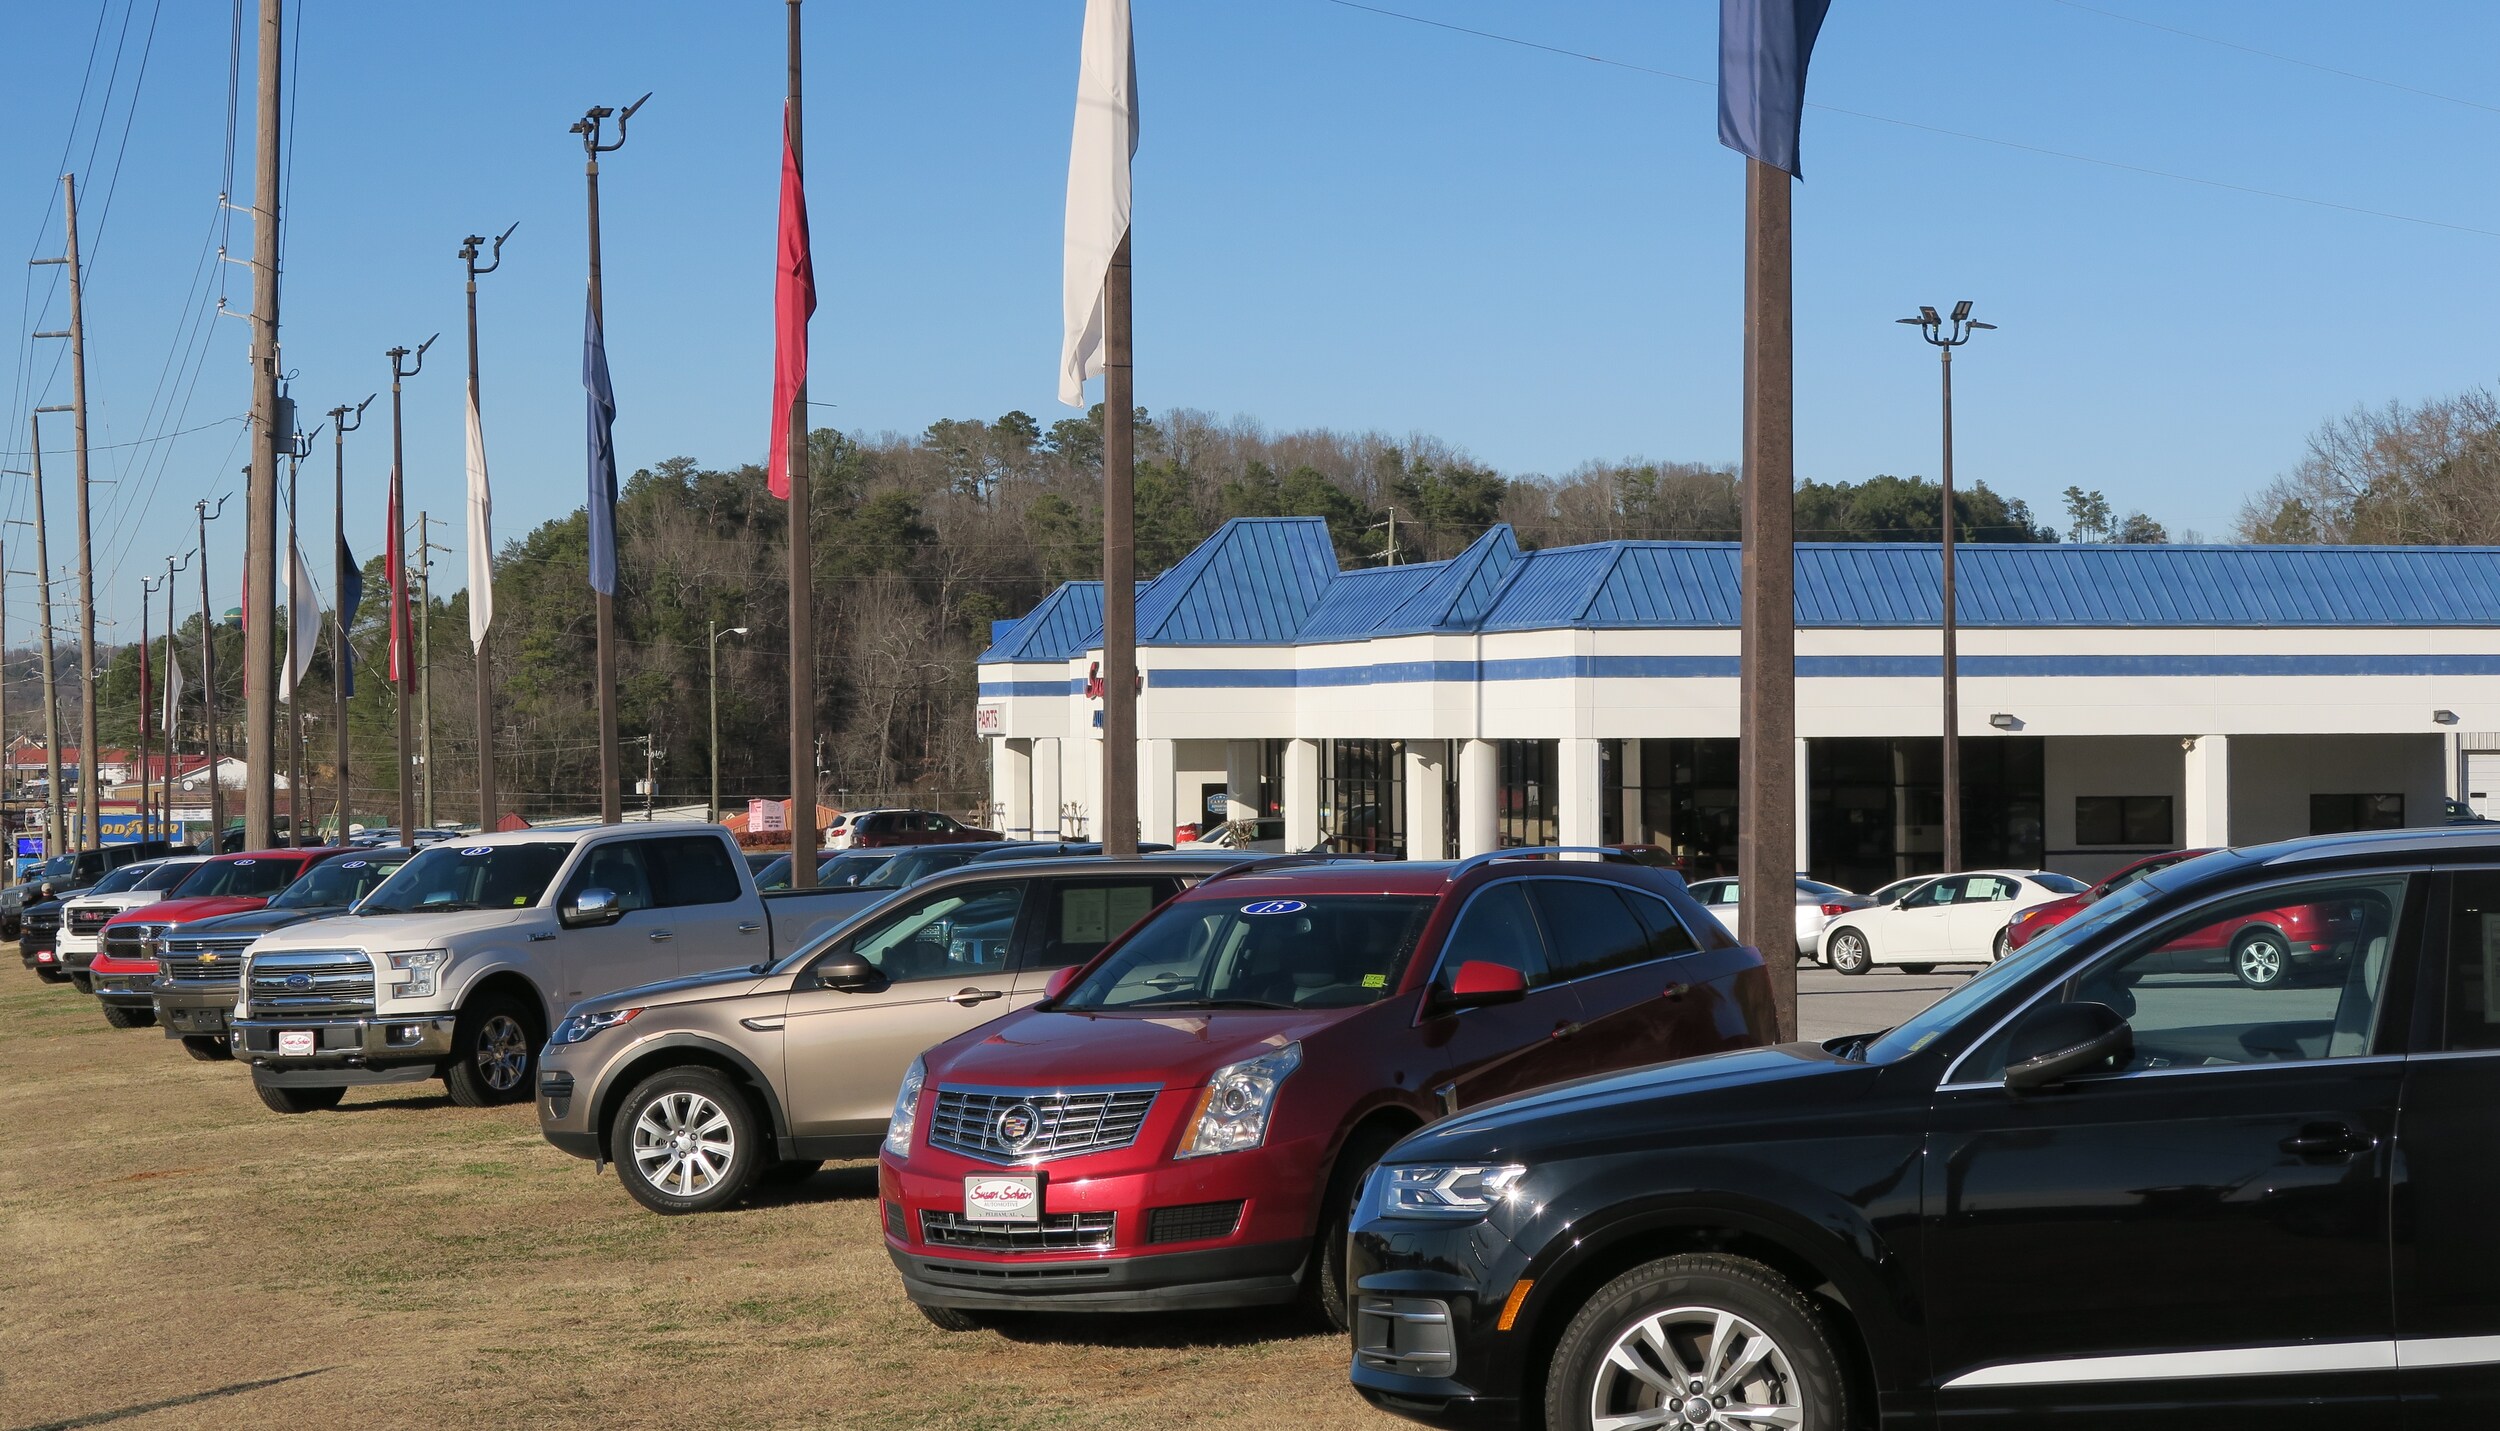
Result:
1270,796
2123,820
1527,801
2340,814
1362,789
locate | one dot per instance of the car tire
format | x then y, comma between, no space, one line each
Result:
2261,959
298,1100
1683,1301
954,1319
1918,968
494,1053
83,983
786,1172
1847,950
208,1048
1324,1289
686,1140
2003,946
123,1017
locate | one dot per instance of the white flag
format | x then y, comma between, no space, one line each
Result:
303,623
1098,186
173,691
481,533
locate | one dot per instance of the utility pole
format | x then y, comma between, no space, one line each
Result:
611,809
8,754
297,662
802,822
208,681
1119,563
76,333
1948,334
343,420
55,835
399,599
172,708
652,755
481,562
147,807
718,631
270,426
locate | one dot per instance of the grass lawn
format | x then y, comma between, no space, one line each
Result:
172,1254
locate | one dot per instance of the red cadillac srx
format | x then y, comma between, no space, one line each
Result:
1184,1120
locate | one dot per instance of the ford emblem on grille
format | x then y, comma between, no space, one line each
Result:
1018,1125
299,981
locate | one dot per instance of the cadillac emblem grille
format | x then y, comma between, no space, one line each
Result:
1018,1126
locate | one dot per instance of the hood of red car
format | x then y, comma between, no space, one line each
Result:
1175,1047
183,911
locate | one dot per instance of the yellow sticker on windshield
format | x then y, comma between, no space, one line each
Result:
1375,981
1923,1040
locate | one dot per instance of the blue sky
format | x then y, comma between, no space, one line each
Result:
1344,219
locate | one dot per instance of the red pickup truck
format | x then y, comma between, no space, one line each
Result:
1182,1121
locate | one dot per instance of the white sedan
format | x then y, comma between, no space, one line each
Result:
1957,919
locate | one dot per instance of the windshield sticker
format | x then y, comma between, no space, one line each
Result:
479,850
1375,981
1924,1040
1274,906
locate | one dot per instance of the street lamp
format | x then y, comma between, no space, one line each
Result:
718,631
1948,334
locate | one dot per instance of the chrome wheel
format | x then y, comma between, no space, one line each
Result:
1695,1369
1847,948
683,1144
2259,961
503,1053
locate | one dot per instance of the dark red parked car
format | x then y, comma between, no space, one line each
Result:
1183,1120
879,828
2265,949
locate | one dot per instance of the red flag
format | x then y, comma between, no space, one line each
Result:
399,582
794,300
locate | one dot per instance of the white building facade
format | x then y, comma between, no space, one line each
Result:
2114,700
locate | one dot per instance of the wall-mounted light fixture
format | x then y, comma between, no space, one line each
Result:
2005,721
2444,717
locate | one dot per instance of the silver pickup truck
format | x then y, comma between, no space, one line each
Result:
458,965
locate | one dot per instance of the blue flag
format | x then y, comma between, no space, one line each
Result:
602,456
351,596
1763,49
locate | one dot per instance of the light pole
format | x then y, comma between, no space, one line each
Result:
718,631
1948,334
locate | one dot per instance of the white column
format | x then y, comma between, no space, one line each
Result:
2207,819
1241,778
1479,797
1805,808
1301,794
1158,767
1629,762
1011,787
1424,835
1081,791
1048,781
1582,793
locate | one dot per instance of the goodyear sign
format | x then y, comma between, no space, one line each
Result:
123,827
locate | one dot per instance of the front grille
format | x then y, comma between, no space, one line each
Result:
214,962
1062,1124
130,941
312,981
1410,1336
1194,1222
88,921
1056,1232
43,921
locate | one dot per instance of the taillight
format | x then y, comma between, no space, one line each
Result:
1834,911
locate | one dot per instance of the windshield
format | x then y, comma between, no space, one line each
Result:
251,877
847,870
1922,1029
168,875
1817,888
2062,884
127,877
2133,873
1330,951
59,865
775,875
449,877
336,882
910,868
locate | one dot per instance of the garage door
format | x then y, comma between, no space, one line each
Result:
2482,782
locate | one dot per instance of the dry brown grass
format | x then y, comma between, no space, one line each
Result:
164,1239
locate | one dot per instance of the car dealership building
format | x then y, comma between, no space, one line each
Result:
2114,700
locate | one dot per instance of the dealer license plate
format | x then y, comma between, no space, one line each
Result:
1003,1198
295,1041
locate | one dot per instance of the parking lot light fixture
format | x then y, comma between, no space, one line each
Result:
1947,335
718,631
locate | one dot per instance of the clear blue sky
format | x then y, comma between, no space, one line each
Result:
1343,220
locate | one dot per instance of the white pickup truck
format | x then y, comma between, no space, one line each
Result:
456,966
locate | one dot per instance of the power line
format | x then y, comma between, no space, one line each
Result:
2279,58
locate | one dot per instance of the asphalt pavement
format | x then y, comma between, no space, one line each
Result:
1830,1004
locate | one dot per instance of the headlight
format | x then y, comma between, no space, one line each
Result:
577,1025
419,966
906,1098
1467,1190
1232,1114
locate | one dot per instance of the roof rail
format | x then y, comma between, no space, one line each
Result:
1278,862
1609,852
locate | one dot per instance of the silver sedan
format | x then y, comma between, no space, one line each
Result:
1817,902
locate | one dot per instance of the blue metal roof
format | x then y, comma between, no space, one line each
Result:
1274,581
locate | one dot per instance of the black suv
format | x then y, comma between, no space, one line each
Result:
2087,1188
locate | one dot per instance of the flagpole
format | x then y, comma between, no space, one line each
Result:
481,563
398,574
294,658
343,420
147,807
611,808
802,821
1119,565
174,702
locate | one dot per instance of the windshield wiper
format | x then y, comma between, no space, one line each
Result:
1210,1004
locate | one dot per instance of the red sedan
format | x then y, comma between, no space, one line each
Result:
2041,918
2262,948
125,966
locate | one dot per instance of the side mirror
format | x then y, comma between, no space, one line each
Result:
1479,983
2059,1040
591,908
1059,981
847,973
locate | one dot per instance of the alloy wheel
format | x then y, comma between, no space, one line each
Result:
503,1053
683,1144
2260,961
1848,952
1695,1369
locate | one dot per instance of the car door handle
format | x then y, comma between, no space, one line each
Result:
1564,1029
749,928
969,997
661,935
2328,1140
1674,993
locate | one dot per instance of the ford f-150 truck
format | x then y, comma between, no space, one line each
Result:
458,965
